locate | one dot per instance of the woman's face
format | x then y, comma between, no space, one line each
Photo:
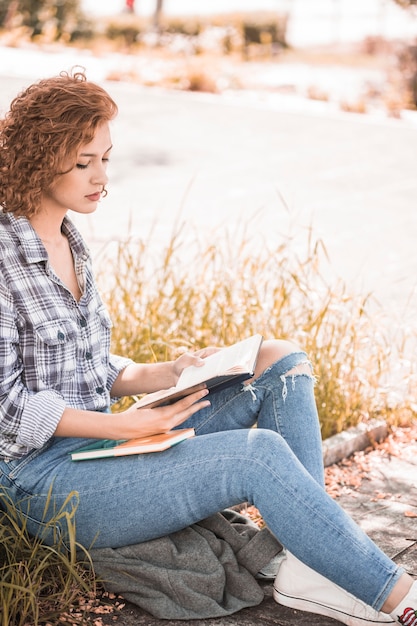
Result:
81,188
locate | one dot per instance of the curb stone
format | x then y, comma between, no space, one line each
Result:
355,439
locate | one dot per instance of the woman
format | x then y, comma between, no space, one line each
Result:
58,380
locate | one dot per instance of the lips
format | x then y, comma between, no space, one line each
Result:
94,197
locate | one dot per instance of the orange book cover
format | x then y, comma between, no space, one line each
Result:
112,448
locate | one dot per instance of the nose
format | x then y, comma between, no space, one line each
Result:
99,176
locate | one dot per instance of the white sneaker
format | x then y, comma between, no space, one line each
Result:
300,587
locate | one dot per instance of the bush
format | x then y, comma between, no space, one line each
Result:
126,31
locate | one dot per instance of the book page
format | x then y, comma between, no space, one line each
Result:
231,362
235,359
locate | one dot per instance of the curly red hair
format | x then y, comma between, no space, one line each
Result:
44,129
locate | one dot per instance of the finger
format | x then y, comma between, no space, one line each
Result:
186,360
196,360
188,401
205,352
200,392
185,414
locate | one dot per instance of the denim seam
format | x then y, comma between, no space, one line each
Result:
14,473
213,414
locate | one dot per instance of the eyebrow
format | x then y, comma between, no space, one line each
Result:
93,154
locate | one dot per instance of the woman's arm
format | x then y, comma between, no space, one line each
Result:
130,423
137,378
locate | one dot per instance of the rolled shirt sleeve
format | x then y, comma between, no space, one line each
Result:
116,365
39,419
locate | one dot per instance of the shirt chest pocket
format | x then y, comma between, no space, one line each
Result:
56,351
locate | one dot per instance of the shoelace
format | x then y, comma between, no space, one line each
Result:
409,617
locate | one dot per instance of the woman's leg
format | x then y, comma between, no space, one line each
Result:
133,499
280,398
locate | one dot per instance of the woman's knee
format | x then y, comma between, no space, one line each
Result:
273,350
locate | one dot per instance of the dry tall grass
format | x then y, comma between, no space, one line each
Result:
192,295
40,584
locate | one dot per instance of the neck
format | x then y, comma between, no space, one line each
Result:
48,230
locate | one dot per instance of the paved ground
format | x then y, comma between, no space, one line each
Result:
220,164
384,505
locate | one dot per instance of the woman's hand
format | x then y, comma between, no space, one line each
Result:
138,378
141,422
192,358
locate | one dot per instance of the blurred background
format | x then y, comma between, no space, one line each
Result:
374,39
286,118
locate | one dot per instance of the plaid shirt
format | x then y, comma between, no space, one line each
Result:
54,351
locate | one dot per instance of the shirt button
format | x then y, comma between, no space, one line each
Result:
83,322
60,335
88,356
100,390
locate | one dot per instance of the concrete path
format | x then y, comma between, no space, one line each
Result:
222,163
259,163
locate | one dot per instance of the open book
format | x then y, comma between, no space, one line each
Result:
153,443
230,365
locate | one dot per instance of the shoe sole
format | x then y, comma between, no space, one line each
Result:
315,607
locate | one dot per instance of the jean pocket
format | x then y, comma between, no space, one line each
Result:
11,469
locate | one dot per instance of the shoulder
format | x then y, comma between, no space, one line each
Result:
18,239
8,235
13,244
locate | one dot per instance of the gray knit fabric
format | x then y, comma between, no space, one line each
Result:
205,570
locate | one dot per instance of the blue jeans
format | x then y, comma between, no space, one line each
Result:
276,466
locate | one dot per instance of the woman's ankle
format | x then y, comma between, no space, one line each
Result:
399,592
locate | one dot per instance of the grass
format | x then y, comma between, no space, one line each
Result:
193,294
40,584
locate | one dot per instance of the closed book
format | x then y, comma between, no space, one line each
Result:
113,448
